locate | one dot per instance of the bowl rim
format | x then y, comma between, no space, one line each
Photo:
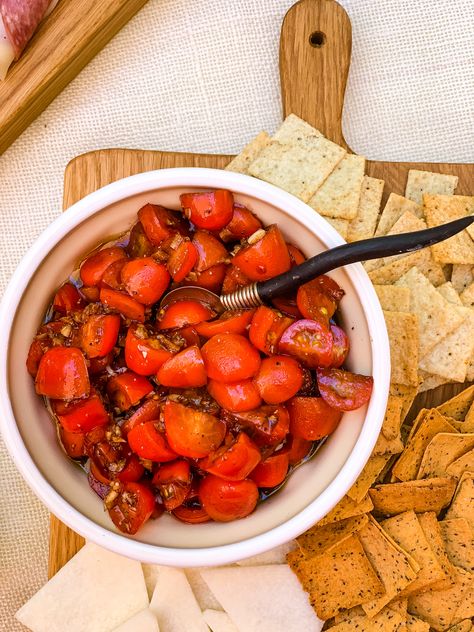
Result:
317,508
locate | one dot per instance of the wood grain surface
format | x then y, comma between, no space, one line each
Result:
313,81
64,43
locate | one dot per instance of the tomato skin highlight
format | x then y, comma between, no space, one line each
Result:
184,370
123,303
272,471
235,396
173,481
266,258
182,314
310,341
230,358
145,440
311,418
227,500
99,334
211,210
340,347
82,416
145,279
144,355
228,323
127,389
267,328
191,432
278,379
133,507
234,460
62,374
343,390
67,299
94,267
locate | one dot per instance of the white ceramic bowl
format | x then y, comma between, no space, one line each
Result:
311,491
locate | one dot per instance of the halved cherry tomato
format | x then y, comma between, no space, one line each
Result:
191,336
210,251
287,306
278,379
243,224
132,471
146,441
132,508
311,418
235,396
210,279
298,449
233,322
267,425
62,374
211,210
148,411
123,303
91,294
35,353
234,278
72,442
344,390
159,223
144,354
191,511
82,416
93,268
112,277
319,298
296,256
99,334
227,500
99,365
266,258
272,471
191,432
230,358
234,460
182,261
127,389
138,243
183,313
310,341
340,347
266,329
184,370
173,481
145,279
67,299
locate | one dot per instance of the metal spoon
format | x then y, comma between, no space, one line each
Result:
264,291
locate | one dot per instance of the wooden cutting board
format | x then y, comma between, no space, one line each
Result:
64,43
315,54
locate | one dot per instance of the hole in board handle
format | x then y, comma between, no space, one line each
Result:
317,39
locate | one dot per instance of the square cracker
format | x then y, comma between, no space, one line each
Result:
449,292
458,406
462,276
318,540
294,130
363,225
467,296
403,337
420,182
431,529
421,259
241,162
430,494
393,298
341,225
463,501
346,508
416,625
339,195
407,393
440,209
464,463
458,539
393,417
442,450
387,620
395,207
368,476
385,446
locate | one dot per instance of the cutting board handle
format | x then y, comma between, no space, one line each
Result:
315,54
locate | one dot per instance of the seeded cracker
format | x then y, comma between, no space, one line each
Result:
395,207
341,225
363,225
387,620
462,276
403,337
431,529
421,259
467,296
442,450
417,625
420,182
407,393
458,538
368,476
440,209
318,540
464,626
393,298
464,463
346,508
458,406
248,154
463,502
431,494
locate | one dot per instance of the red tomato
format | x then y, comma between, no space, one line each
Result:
182,261
310,341
144,354
91,294
72,442
344,390
233,322
319,298
191,336
132,508
191,432
173,481
127,389
159,223
133,470
184,370
145,280
210,251
266,258
227,500
138,244
278,379
94,267
112,277
183,313
296,256
123,303
243,224
272,471
191,515
211,279
266,329
67,299
233,461
35,353
267,425
234,278
287,306
211,210
99,334
98,365
311,418
340,347
148,411
82,416
235,396
62,374
230,358
145,440
298,449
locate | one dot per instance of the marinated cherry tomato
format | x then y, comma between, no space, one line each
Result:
144,354
340,347
278,379
145,279
265,258
267,425
182,261
234,460
190,336
266,329
234,278
211,210
91,294
159,223
138,244
99,334
227,500
319,298
35,353
62,374
234,322
149,411
73,443
191,511
127,389
99,365
296,256
210,251
132,472
235,396
192,433
132,508
230,358
82,416
173,481
184,370
311,418
310,341
287,306
211,279
93,268
298,449
272,471
67,299
123,303
344,390
112,277
146,441
183,313
243,224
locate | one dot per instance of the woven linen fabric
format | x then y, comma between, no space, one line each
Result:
203,76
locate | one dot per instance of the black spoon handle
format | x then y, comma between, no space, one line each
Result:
358,251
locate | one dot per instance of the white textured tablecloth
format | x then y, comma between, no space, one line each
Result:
203,76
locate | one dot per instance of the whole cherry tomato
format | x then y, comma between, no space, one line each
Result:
264,258
344,390
235,396
173,481
192,433
234,460
146,441
145,279
311,418
184,370
230,358
99,334
211,210
62,374
132,507
278,379
272,471
94,267
310,341
227,500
